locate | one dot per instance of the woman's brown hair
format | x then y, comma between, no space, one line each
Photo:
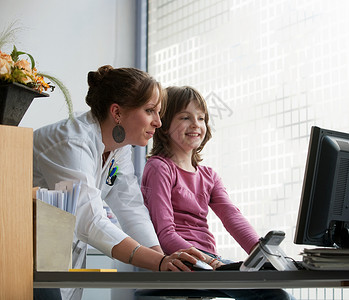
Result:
129,87
177,99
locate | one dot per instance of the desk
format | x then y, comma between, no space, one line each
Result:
194,280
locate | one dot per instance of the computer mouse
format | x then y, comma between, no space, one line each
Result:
199,266
202,265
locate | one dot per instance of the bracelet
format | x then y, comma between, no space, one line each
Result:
133,253
162,259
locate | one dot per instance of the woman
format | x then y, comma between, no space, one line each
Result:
178,191
95,149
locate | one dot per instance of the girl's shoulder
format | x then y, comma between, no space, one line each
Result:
209,173
160,166
160,162
206,170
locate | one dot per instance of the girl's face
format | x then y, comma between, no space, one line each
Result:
140,123
188,129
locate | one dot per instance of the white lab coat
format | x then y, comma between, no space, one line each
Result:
72,150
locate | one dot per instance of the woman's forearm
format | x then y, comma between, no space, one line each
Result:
157,248
129,251
143,257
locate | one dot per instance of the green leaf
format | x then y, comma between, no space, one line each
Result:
30,57
14,54
64,90
18,75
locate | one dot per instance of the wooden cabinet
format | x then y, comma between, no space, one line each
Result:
16,213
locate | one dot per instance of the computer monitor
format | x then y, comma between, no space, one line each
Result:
323,218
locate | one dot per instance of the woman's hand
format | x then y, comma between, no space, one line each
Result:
174,262
214,263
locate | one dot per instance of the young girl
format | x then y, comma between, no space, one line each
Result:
178,191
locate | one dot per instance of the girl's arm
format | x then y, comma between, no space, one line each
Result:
157,187
233,220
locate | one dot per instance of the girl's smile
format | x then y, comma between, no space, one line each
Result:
187,129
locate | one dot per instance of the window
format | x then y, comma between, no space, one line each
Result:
269,70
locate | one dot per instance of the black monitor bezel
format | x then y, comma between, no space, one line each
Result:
302,235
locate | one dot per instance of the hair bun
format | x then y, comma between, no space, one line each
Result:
95,77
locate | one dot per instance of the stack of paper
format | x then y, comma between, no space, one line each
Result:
65,195
326,259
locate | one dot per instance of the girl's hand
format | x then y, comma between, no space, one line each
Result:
174,262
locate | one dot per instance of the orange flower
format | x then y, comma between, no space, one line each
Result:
42,85
6,56
24,65
6,63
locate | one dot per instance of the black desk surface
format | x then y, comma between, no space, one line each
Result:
193,280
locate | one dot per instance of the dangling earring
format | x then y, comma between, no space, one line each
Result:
119,133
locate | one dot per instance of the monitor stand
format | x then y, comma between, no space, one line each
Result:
339,234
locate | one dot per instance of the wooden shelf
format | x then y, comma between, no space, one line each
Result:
16,212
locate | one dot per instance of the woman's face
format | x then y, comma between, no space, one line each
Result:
140,123
188,129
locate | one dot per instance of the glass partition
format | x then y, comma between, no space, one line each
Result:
269,70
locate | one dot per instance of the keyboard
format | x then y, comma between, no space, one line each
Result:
266,266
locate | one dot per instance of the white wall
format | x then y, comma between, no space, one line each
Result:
68,39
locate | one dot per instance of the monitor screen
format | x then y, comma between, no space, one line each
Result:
323,217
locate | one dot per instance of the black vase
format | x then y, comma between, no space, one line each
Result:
15,99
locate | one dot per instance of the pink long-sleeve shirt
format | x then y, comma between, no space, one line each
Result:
179,201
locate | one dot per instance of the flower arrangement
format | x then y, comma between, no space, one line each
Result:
12,69
16,70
